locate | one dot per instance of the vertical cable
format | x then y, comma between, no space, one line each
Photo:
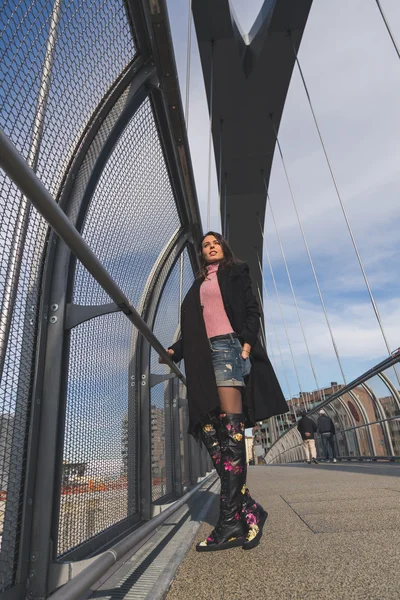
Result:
188,60
273,325
210,135
290,283
309,255
374,306
396,47
264,332
274,361
221,123
281,311
276,336
224,218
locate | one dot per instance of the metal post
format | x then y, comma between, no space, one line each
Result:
176,436
17,169
145,453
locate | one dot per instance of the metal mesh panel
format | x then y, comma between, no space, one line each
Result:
57,61
131,217
67,53
21,247
166,328
94,492
132,214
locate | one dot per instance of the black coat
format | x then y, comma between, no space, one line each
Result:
307,425
325,424
263,396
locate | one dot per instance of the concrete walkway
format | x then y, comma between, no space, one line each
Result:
333,533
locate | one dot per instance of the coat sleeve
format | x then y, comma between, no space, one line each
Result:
252,322
178,350
314,425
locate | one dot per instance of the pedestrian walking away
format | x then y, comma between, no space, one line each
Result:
307,429
326,429
230,383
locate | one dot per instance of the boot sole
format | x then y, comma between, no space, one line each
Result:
257,539
225,546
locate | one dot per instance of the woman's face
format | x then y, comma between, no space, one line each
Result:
212,249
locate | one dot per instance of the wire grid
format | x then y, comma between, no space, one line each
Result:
94,493
132,214
130,220
20,277
166,328
92,45
88,44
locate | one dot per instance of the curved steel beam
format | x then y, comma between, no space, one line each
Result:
251,77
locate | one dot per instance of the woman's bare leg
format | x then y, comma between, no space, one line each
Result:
230,400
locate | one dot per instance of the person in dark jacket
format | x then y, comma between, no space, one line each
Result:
326,429
307,429
230,383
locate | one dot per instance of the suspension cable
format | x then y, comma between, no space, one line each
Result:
290,284
395,44
273,325
210,135
221,129
188,61
309,254
374,306
280,309
264,333
224,216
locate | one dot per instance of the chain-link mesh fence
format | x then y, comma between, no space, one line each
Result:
167,329
131,218
57,61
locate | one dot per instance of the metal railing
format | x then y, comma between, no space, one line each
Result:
99,219
366,415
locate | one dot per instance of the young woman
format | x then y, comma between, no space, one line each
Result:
230,383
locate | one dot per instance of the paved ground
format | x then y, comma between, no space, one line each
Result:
333,533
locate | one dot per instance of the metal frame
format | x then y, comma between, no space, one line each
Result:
154,65
275,452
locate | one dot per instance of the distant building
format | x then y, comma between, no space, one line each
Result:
249,448
158,442
355,408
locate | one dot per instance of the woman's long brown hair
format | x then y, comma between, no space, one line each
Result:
228,260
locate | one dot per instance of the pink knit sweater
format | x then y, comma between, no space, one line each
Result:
215,317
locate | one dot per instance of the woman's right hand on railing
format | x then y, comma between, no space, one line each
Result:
168,351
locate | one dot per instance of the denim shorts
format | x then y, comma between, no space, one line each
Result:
229,367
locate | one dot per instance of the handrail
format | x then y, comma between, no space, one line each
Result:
80,584
30,185
382,366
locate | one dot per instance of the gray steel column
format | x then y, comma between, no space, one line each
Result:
176,436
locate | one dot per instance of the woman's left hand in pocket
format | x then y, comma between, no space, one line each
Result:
246,351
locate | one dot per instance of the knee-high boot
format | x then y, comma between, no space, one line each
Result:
251,513
230,530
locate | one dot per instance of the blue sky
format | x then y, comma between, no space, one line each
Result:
353,75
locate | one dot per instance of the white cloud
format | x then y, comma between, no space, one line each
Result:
353,75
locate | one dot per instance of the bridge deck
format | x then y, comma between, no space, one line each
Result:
333,532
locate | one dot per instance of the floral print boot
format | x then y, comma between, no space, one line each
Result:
252,513
230,530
